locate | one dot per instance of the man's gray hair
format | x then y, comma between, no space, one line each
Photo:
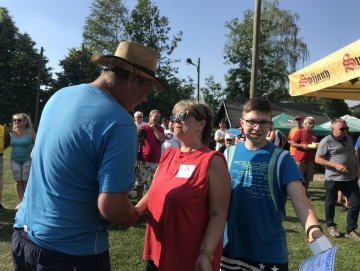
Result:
335,121
138,113
309,118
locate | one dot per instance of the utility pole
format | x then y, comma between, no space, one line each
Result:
37,109
255,50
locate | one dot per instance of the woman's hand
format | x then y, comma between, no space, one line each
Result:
203,263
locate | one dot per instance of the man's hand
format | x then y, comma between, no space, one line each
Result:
152,126
341,168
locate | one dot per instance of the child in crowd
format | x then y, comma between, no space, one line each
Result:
262,176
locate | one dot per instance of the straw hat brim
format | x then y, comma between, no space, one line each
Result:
107,60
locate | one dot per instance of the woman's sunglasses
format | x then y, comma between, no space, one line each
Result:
17,120
181,116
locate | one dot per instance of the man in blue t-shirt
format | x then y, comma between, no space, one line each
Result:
81,169
262,176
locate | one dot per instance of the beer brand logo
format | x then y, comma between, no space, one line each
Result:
287,123
314,78
350,64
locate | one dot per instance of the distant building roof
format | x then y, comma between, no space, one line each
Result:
232,112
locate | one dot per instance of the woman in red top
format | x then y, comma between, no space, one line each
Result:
188,200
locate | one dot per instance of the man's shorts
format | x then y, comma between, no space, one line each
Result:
27,255
145,168
231,264
20,170
307,170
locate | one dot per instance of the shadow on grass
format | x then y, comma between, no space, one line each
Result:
294,219
6,225
141,224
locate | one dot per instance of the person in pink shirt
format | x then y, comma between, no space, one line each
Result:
150,151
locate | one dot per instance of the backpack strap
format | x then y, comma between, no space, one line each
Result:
274,165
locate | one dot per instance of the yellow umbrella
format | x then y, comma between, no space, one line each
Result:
336,76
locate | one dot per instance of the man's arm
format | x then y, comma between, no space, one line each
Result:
160,136
303,208
6,137
117,208
322,161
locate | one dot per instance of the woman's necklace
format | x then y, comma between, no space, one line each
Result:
102,90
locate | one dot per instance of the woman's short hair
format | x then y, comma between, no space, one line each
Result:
200,111
23,117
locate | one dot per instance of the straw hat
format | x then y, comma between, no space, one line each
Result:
133,57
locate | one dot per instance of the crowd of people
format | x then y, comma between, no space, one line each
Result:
206,209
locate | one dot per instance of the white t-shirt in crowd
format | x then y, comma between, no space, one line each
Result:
171,141
219,134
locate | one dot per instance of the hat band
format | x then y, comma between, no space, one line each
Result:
146,70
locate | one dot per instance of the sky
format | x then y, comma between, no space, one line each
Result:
325,26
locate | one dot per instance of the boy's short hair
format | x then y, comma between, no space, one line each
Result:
257,104
141,133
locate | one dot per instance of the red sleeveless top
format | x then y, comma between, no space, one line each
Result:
178,204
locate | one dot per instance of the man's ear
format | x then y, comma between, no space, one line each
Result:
131,80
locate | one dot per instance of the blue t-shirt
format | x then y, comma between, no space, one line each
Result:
257,206
86,144
357,144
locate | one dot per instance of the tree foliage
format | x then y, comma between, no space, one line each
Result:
76,69
280,51
105,26
19,69
213,93
332,107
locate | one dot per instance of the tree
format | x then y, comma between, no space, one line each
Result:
280,51
19,69
148,27
332,107
76,66
104,28
213,93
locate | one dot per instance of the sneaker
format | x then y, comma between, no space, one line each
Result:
17,206
2,209
353,235
333,232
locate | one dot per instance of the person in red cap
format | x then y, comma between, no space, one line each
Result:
298,123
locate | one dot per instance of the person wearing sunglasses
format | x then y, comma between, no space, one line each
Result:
263,178
22,142
305,156
4,143
188,201
336,152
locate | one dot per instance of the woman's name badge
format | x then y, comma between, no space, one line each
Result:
185,171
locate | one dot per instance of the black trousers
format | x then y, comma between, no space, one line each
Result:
350,189
27,256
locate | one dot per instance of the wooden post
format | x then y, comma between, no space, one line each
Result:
37,109
255,51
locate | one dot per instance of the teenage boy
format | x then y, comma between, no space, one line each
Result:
262,176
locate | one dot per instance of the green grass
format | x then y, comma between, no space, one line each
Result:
127,245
